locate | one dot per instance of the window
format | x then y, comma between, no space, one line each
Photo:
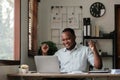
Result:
10,32
32,33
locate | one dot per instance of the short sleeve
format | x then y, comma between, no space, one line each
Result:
90,57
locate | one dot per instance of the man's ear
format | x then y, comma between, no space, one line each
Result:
74,37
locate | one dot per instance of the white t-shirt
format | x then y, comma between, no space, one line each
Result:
76,59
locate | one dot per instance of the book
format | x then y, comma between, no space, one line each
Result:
115,71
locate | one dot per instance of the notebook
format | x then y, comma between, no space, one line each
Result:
47,64
100,71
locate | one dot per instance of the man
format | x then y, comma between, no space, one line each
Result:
75,57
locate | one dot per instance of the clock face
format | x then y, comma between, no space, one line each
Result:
97,9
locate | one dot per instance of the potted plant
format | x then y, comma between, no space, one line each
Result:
52,48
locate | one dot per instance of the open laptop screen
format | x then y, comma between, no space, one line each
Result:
47,64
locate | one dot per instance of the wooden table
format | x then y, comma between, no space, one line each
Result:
39,76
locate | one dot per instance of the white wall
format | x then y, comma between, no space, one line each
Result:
106,22
44,21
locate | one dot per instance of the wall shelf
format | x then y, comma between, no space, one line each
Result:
87,37
106,55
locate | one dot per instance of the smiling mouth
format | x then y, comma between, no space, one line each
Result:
67,45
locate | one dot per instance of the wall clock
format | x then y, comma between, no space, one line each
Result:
97,9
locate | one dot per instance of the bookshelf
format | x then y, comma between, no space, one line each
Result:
107,56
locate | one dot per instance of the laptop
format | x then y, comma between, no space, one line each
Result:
47,64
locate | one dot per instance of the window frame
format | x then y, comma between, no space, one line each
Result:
17,36
33,42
